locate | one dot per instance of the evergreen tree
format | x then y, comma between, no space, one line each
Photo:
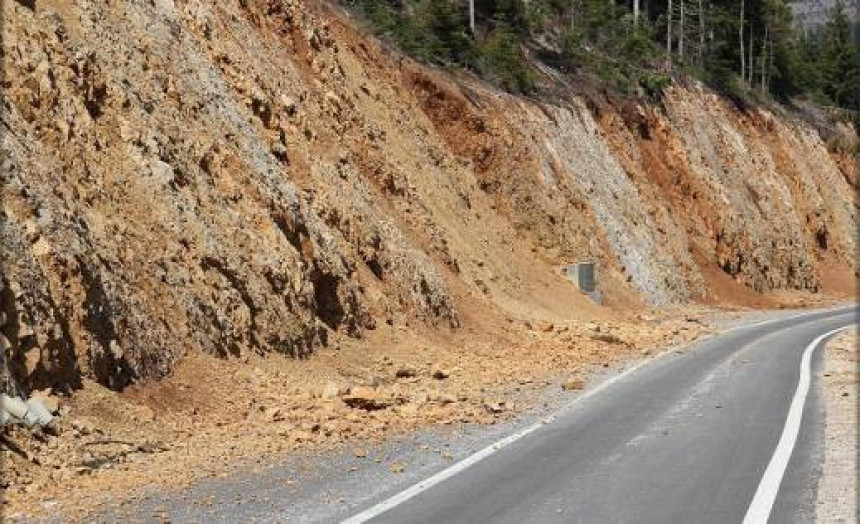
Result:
446,26
840,61
807,67
737,46
510,13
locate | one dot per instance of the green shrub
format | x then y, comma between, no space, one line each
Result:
654,83
430,30
500,60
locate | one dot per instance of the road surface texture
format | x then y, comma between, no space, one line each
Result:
679,440
684,437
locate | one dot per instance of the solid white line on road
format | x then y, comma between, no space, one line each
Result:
765,496
473,459
783,319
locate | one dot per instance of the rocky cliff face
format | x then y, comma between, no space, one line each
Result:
813,14
258,176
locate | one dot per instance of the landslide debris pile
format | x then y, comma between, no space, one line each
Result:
258,176
212,416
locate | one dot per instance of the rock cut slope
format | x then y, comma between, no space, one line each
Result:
257,176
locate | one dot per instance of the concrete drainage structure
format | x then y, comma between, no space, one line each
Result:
584,276
14,409
31,412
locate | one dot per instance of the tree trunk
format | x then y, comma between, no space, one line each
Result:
701,33
681,33
573,4
471,16
751,61
764,61
669,34
770,62
636,12
741,38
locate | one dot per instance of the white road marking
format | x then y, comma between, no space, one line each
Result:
478,456
768,488
473,459
780,319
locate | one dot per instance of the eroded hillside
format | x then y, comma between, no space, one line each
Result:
259,176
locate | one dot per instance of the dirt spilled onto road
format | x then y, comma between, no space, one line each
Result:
213,415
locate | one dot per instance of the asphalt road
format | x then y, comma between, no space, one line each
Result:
684,439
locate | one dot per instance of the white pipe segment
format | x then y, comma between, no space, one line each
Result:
39,414
14,406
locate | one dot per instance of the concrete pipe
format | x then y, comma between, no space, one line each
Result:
14,406
37,413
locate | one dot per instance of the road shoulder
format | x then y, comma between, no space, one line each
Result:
837,490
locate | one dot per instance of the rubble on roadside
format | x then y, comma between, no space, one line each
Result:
213,415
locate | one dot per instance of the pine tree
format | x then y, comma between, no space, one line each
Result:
840,61
733,45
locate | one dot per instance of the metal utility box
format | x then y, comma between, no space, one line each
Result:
583,275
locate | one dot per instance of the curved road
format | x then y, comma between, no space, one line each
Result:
684,439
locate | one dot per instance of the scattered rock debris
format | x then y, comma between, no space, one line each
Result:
573,384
